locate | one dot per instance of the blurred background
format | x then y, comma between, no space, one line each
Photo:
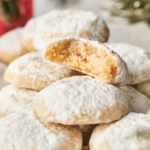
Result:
124,17
128,20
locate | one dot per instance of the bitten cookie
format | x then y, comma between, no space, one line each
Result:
31,71
81,100
13,99
10,47
28,34
89,57
130,133
137,60
64,23
21,131
138,102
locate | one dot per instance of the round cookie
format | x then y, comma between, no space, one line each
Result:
64,23
130,133
13,99
138,102
22,131
33,72
28,34
89,57
10,47
80,100
137,60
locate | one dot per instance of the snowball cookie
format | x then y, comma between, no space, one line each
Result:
31,71
137,60
81,100
86,133
28,35
21,131
138,102
13,99
10,47
89,57
63,23
130,133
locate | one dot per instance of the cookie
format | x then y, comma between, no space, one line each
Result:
137,60
138,102
130,133
89,57
28,34
31,71
13,99
22,131
10,47
80,100
64,23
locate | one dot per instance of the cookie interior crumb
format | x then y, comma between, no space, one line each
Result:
85,57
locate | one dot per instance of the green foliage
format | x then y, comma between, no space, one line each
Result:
9,9
134,10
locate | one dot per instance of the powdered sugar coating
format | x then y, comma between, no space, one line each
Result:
122,71
22,131
31,71
40,42
62,23
29,29
10,42
137,60
81,100
138,102
70,21
130,133
13,99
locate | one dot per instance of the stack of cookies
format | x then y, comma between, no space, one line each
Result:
72,85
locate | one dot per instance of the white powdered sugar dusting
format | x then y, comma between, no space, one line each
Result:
29,30
138,102
32,66
69,21
22,131
137,60
40,42
10,42
77,96
130,133
58,23
13,99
